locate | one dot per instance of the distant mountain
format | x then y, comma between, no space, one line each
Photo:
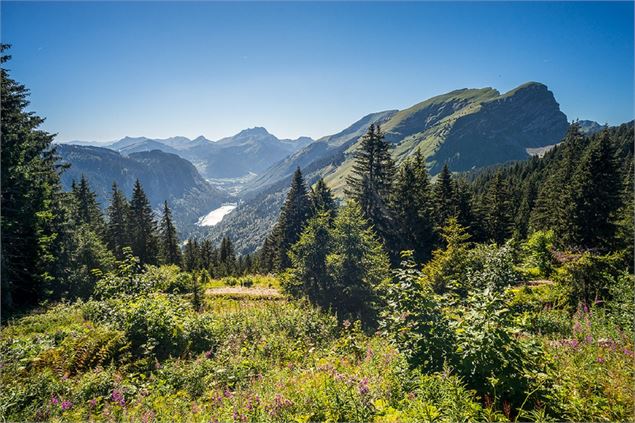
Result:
590,127
250,151
467,128
164,176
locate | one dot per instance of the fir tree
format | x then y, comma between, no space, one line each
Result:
191,255
295,212
444,198
144,241
498,219
412,205
322,199
169,241
370,183
206,252
33,223
117,236
87,208
308,275
596,195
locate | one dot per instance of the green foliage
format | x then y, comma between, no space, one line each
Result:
621,305
538,251
414,318
142,227
590,276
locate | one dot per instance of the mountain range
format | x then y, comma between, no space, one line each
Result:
164,177
251,151
466,129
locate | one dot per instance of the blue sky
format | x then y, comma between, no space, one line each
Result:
103,70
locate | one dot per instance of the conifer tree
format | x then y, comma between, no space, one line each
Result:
308,275
596,195
444,198
322,199
88,211
169,241
144,240
227,255
33,217
267,253
191,255
370,184
498,218
412,207
206,251
357,265
295,213
117,236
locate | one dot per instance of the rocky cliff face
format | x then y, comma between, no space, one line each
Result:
501,129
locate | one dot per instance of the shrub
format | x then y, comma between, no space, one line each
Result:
621,305
414,319
538,251
590,276
230,281
246,282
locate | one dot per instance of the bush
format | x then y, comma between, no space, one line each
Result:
590,277
538,251
621,305
230,281
246,282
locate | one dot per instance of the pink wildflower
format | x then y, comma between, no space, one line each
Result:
66,405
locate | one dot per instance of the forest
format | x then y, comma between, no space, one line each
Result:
498,294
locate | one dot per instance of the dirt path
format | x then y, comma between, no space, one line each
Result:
242,292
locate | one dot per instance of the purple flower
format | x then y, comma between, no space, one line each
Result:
628,352
228,393
67,405
54,400
117,396
208,354
588,339
363,386
92,403
599,360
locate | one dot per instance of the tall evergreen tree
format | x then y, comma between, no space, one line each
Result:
191,255
294,215
143,229
498,217
444,198
412,205
169,241
33,217
371,182
87,208
596,195
322,199
117,236
206,252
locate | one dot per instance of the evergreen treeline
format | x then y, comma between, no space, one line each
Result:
582,190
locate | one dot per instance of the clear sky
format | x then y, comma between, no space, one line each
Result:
104,70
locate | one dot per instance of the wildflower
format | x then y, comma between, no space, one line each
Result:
228,394
54,400
588,339
147,417
117,396
208,354
92,403
346,323
599,360
363,386
66,405
628,352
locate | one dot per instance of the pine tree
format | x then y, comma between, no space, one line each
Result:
88,211
596,195
308,275
322,199
498,218
294,215
144,240
267,253
227,256
412,207
370,184
357,265
169,241
191,255
444,198
205,254
117,236
33,223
